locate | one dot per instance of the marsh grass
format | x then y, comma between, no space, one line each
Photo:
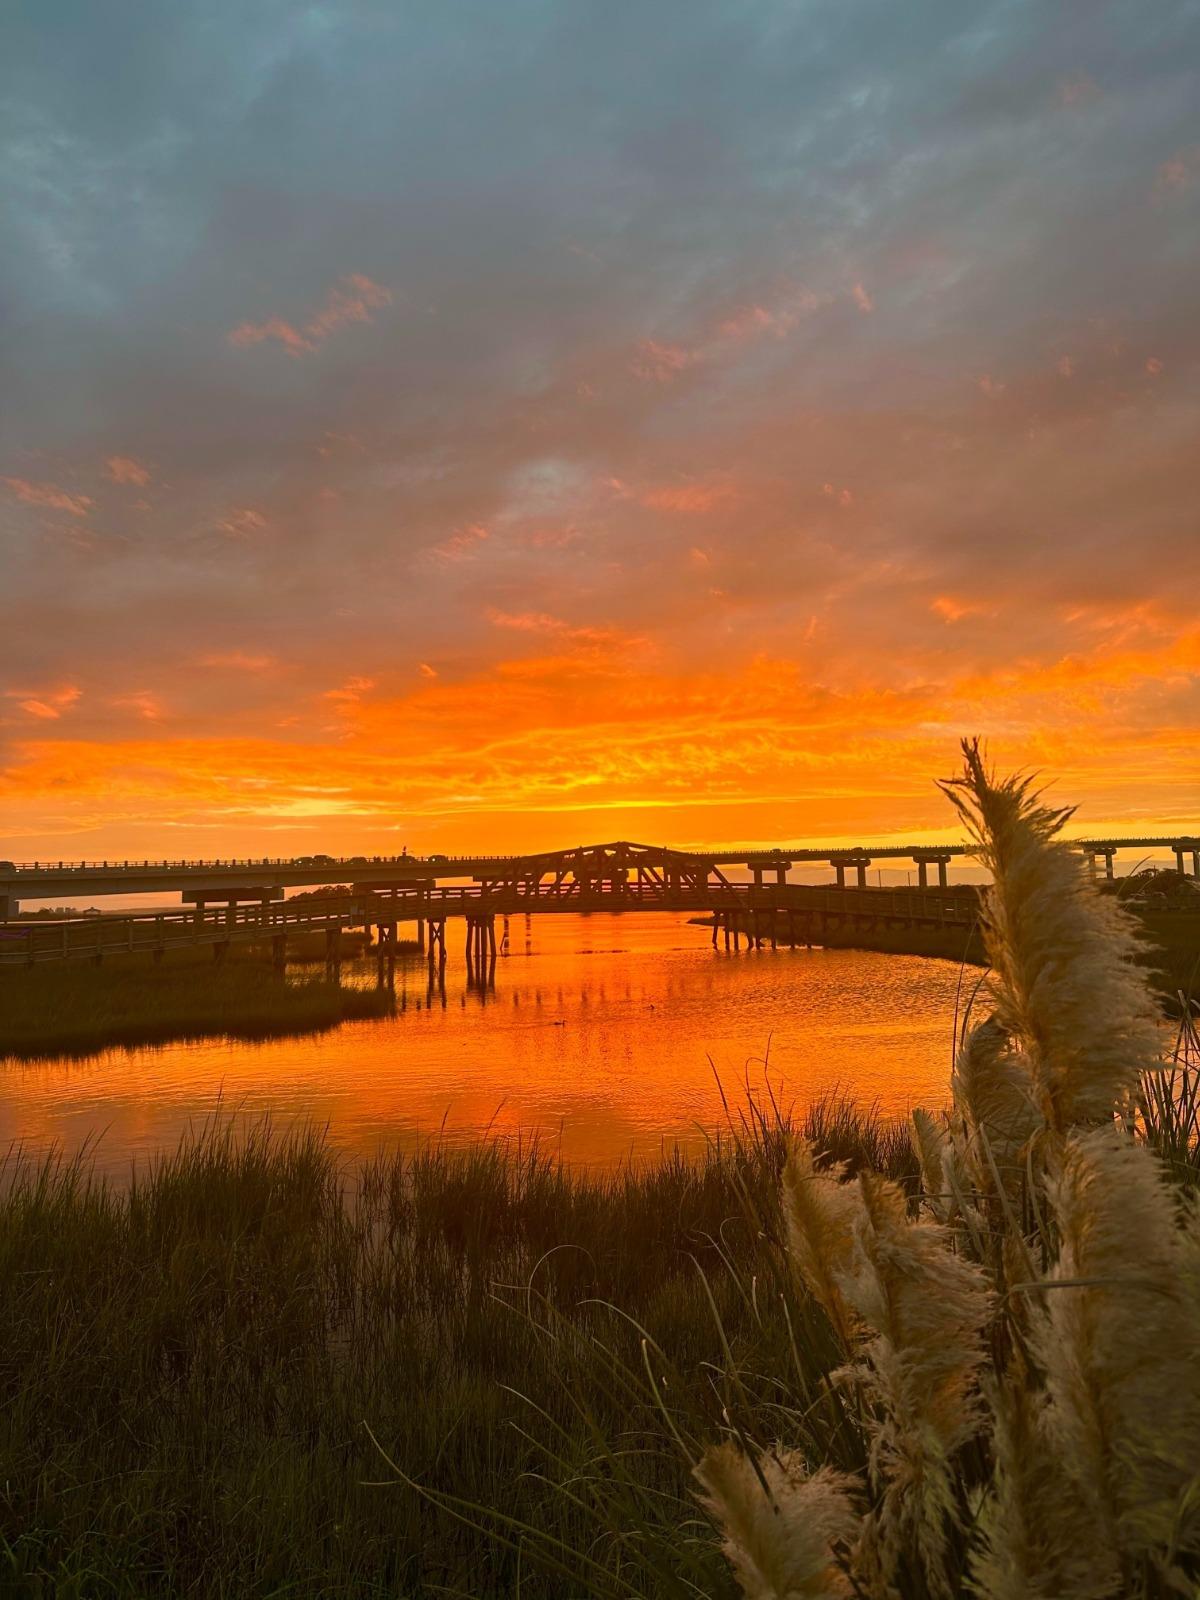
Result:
258,1370
187,1362
75,1009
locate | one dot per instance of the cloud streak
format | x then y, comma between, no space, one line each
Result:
351,300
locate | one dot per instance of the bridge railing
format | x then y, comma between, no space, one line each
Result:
97,936
24,943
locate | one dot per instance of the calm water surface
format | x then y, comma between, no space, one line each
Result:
597,1036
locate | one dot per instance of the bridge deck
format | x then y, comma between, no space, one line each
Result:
41,880
90,938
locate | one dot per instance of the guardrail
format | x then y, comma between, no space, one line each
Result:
731,855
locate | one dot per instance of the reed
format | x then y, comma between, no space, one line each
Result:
1017,1347
189,1361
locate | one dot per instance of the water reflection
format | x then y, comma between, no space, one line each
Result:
595,1032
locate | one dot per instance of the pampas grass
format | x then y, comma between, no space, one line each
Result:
780,1523
1020,1341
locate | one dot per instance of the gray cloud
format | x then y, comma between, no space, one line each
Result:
841,219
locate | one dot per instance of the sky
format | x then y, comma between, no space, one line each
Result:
478,425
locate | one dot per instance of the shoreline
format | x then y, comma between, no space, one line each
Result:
77,1011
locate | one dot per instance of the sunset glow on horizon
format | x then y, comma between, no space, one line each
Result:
575,423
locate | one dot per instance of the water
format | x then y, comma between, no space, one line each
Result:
597,1037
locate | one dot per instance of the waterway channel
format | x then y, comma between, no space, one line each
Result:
602,1036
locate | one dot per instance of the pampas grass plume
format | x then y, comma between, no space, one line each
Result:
779,1523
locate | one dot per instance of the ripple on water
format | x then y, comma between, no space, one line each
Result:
598,1037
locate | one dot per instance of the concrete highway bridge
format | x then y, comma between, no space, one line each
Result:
241,902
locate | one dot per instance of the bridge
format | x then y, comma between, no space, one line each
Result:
240,902
262,879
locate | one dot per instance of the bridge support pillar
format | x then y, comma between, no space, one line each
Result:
1108,854
8,908
840,868
385,955
421,934
1196,863
862,874
932,859
1179,866
333,954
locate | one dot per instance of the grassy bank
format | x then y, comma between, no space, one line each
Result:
73,1009
188,1367
256,1372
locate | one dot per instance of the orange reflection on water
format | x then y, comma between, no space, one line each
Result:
597,1039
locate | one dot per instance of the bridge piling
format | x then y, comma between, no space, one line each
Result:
333,954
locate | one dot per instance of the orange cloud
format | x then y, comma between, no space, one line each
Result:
1178,172
862,299
461,544
238,661
688,499
659,363
350,693
124,469
352,299
952,610
143,703
241,522
48,495
553,748
47,705
777,320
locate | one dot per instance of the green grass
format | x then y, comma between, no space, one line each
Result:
75,1009
189,1366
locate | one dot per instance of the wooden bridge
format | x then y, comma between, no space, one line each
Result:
261,879
620,877
601,878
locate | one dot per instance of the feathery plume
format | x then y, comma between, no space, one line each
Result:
1064,983
1120,1345
1036,1540
933,1154
927,1307
779,1541
994,1096
821,1211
